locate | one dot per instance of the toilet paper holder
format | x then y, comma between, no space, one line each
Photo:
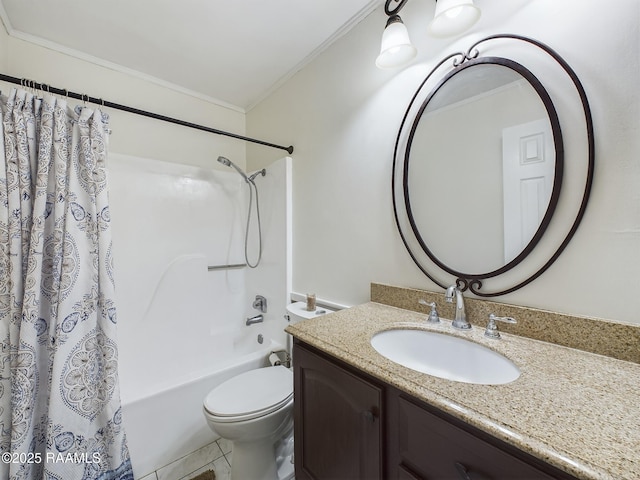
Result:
280,357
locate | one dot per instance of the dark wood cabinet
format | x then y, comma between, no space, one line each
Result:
337,421
425,444
351,426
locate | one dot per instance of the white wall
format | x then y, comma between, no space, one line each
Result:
132,134
3,49
342,115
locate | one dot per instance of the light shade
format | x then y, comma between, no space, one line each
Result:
453,17
396,48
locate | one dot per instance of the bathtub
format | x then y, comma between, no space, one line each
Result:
166,425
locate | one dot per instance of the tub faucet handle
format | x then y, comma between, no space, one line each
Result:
260,303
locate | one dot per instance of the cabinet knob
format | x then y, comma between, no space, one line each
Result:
462,471
369,416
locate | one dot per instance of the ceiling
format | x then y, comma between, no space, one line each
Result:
231,52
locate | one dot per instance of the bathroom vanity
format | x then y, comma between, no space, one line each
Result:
349,425
570,414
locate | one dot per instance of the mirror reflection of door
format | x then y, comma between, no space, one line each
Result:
527,167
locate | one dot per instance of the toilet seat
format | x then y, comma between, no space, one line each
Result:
250,395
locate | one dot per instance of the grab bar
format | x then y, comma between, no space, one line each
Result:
226,267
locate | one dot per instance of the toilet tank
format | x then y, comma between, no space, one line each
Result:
298,311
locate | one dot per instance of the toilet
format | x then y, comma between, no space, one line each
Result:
254,410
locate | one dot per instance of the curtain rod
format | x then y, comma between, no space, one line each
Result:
99,101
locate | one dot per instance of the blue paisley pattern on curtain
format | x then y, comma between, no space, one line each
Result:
60,415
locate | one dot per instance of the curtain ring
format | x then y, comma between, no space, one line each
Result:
45,89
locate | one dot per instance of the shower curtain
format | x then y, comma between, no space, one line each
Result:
60,412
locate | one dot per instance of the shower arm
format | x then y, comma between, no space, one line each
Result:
262,172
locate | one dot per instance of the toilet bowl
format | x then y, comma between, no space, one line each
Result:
254,411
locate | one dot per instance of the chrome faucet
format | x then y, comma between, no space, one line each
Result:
460,320
255,319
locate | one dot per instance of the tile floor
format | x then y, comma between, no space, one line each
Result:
216,456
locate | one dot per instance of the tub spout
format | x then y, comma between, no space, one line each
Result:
254,319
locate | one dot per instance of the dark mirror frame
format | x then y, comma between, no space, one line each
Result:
558,163
461,61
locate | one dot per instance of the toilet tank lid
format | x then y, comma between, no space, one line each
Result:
250,391
300,309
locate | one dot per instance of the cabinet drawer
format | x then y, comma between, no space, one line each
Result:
432,448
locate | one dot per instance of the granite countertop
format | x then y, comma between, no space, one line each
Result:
575,410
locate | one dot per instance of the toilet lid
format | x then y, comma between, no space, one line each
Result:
250,392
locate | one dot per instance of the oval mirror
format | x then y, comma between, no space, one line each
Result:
479,163
483,163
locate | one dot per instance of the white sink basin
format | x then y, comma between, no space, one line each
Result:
445,356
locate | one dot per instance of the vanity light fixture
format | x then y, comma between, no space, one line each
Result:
451,18
396,49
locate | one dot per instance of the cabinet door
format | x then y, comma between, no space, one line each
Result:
430,447
336,421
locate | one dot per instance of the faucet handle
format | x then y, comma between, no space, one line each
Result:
260,303
492,328
433,315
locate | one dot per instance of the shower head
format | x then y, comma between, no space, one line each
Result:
224,161
229,163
